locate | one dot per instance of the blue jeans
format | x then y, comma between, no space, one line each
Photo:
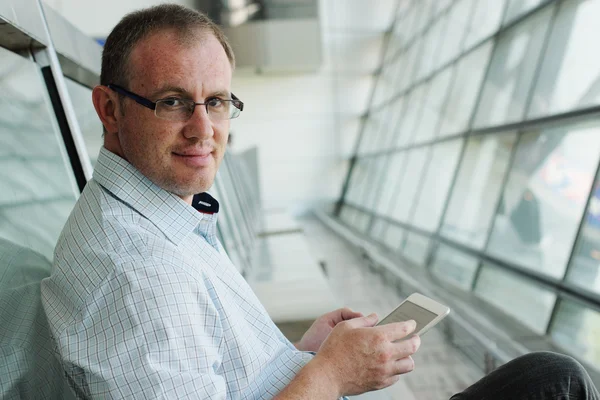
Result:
539,376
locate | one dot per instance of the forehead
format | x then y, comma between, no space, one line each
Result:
165,59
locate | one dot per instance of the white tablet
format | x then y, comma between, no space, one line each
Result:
425,311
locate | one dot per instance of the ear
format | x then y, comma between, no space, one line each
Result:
107,105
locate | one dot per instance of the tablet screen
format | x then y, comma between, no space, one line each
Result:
409,311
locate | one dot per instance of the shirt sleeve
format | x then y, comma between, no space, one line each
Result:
149,331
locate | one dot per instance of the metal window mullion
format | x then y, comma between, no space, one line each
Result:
63,93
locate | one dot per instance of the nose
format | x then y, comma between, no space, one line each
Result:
199,125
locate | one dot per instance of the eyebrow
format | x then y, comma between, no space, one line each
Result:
179,90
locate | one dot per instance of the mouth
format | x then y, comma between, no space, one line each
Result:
195,158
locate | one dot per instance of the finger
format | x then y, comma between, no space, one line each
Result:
405,348
404,365
363,322
347,314
398,330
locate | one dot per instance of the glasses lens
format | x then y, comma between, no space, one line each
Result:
174,109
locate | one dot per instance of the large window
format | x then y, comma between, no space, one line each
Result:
570,74
38,187
545,195
477,190
488,172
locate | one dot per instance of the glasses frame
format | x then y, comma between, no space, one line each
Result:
236,102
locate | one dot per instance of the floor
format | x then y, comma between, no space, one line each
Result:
440,371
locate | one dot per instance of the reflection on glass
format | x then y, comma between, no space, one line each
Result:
416,248
408,73
38,187
524,300
512,69
585,265
436,185
458,19
545,196
433,106
433,40
393,237
395,112
465,88
392,175
516,8
370,130
454,266
477,190
412,115
90,125
361,220
375,180
577,329
570,74
378,229
410,183
357,180
347,214
484,21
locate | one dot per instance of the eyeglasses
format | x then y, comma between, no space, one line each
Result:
175,108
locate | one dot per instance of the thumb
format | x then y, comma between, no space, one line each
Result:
363,322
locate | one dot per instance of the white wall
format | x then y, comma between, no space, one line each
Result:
290,118
97,18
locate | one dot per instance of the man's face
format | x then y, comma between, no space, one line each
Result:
182,157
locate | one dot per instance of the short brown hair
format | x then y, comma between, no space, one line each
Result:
140,24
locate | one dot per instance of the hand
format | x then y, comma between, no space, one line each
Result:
322,327
360,357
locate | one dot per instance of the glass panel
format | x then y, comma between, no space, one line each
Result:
346,214
376,178
458,19
357,181
529,303
585,265
393,175
433,106
545,196
577,329
411,117
432,42
90,125
362,189
391,125
436,184
454,266
441,6
416,248
378,229
361,222
465,88
511,72
394,236
477,190
484,21
516,8
38,186
407,71
570,74
410,183
425,14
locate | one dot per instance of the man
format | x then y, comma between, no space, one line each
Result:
142,301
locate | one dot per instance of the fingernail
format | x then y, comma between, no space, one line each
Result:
413,323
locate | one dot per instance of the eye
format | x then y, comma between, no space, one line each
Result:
215,102
173,102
